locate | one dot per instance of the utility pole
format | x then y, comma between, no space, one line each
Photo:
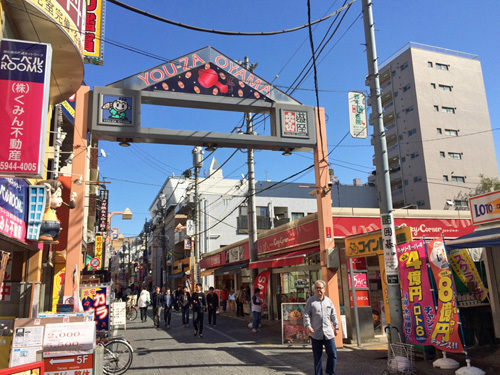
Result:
251,209
197,164
383,177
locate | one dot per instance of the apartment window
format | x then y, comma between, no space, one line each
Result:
451,132
398,115
297,215
406,182
436,108
262,211
448,109
396,94
243,211
433,85
461,204
417,178
445,87
439,130
404,66
409,109
442,66
406,88
411,132
458,179
454,155
429,64
420,203
403,159
445,177
441,154
393,73
414,155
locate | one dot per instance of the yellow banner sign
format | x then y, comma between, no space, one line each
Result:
371,243
464,267
98,249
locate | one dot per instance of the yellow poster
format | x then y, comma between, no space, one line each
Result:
59,270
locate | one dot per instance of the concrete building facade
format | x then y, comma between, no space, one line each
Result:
438,128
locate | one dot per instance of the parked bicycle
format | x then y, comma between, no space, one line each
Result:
131,312
118,355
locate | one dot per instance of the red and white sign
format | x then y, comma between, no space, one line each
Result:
261,282
485,208
75,336
24,84
70,365
360,280
95,264
362,298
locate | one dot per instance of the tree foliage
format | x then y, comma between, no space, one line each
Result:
486,185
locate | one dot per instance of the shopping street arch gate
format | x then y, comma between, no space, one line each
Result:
204,79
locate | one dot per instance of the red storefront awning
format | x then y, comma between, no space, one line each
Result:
283,260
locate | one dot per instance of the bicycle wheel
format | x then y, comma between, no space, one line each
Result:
132,313
117,356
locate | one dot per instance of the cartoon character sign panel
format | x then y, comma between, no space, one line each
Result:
293,329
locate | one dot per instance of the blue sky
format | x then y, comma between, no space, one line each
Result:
135,43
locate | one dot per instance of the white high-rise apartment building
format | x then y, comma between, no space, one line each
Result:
437,125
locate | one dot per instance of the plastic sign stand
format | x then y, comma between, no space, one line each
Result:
469,370
446,363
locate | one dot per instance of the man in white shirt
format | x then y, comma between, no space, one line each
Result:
320,319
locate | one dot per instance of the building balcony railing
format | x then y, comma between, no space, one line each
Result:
281,221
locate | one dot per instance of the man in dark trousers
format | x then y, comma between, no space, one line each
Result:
184,301
177,296
199,304
213,304
157,302
168,303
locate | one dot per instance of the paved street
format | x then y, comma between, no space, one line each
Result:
231,348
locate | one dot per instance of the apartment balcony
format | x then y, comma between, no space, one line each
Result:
179,236
387,99
263,223
389,117
393,150
280,221
384,77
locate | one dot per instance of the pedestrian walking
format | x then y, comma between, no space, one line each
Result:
167,303
256,310
240,301
199,304
177,296
224,295
213,305
143,302
157,300
184,302
319,317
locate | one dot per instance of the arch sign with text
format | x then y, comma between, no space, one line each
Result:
205,79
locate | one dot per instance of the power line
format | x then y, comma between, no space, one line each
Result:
223,32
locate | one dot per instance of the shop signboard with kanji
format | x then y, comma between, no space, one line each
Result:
24,104
96,299
416,294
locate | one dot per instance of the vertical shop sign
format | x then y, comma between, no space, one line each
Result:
24,84
445,330
357,115
464,267
98,250
389,248
94,32
416,297
102,211
96,300
13,207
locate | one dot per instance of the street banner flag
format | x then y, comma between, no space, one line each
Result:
464,267
445,330
416,295
261,282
